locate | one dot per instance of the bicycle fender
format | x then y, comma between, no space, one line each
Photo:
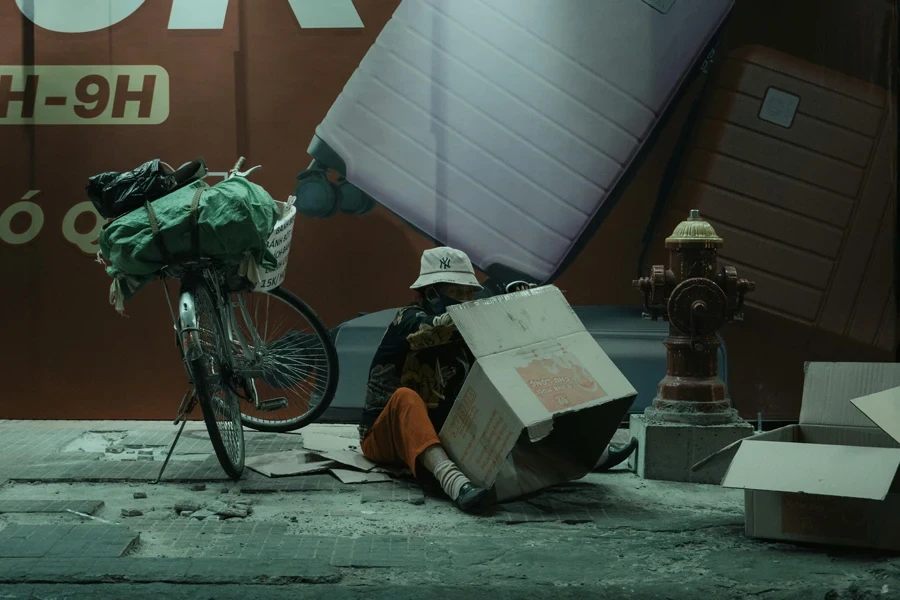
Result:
188,330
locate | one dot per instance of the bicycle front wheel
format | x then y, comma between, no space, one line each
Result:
299,362
212,374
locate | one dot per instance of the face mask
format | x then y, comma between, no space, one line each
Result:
440,302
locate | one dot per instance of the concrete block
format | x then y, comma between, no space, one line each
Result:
667,451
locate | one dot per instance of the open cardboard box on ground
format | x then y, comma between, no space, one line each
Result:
832,479
542,400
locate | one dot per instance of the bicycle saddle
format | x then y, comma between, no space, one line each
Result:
189,173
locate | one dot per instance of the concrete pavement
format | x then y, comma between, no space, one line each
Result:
607,536
416,591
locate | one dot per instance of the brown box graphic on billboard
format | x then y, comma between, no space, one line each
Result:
792,164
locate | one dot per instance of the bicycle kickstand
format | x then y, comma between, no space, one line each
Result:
183,418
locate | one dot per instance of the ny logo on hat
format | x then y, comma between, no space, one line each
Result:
445,262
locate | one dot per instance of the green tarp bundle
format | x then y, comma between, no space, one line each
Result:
234,221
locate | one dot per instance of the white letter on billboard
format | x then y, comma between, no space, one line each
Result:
66,16
37,221
326,14
86,242
198,14
82,16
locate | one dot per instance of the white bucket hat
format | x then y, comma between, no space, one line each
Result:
445,265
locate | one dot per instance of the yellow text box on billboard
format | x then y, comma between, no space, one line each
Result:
83,95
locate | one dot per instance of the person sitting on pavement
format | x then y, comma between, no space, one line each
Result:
416,374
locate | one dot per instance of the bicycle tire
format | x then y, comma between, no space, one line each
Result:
232,465
331,359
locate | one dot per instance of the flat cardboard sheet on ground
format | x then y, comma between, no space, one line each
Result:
286,464
347,476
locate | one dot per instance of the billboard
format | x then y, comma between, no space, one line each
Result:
100,85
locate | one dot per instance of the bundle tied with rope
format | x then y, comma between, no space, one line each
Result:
230,223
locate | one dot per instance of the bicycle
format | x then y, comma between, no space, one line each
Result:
235,357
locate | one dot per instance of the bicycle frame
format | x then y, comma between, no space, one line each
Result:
187,327
241,355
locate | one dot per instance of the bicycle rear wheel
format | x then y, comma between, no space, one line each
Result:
299,360
212,374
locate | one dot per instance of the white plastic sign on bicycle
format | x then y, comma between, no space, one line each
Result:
280,246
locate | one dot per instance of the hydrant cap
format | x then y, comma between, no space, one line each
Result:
694,230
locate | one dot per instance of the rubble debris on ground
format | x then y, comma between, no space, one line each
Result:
139,495
132,512
187,506
239,509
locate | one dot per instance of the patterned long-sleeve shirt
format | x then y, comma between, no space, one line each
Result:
430,359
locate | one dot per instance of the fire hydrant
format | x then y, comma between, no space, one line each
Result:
697,299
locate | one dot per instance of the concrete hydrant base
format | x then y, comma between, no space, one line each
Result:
667,451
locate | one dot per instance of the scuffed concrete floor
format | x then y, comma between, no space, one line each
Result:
608,535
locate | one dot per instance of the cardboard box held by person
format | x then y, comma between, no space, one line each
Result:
832,479
542,400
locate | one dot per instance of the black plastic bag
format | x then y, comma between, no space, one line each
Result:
115,194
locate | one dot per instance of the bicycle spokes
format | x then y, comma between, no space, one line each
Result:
291,358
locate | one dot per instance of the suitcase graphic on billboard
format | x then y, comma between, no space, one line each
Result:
507,128
793,164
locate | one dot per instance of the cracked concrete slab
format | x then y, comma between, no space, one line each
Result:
87,507
186,571
65,541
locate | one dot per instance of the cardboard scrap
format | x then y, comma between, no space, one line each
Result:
883,409
339,449
349,458
322,453
350,477
821,469
285,464
323,442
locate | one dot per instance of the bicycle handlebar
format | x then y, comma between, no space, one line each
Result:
236,170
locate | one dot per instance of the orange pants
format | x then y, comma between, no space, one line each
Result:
402,431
